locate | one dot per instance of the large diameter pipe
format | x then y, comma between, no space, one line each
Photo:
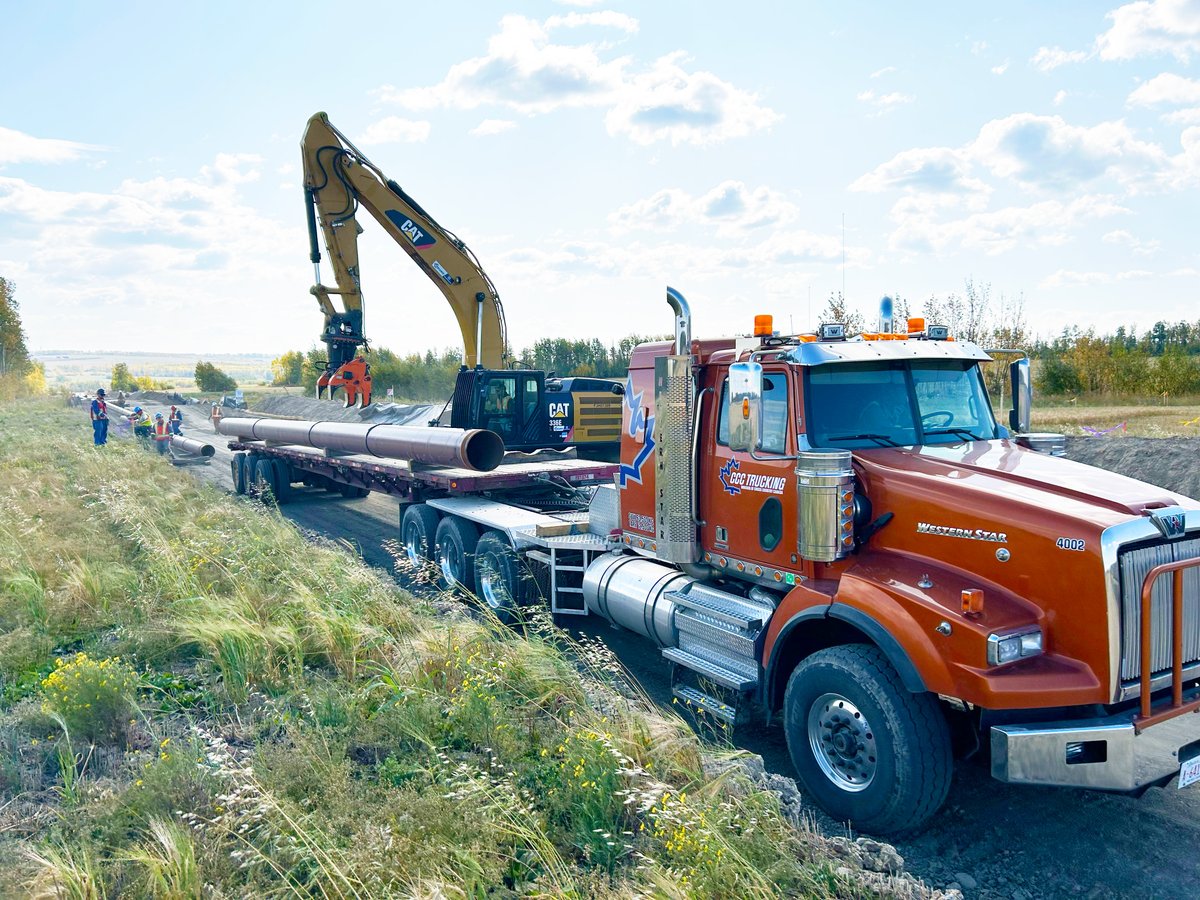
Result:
192,446
473,448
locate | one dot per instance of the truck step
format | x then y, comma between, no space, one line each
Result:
711,670
721,606
697,699
726,639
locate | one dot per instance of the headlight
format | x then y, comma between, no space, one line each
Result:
1006,648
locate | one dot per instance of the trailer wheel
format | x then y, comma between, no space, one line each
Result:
418,528
237,466
262,480
501,581
352,491
454,552
281,483
868,750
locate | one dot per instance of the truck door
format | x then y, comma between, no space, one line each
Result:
748,501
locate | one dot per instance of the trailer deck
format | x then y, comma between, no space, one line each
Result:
418,481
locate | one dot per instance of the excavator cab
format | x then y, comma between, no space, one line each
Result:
533,412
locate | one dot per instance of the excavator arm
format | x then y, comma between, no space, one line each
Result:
339,180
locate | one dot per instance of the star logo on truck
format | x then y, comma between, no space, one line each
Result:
639,417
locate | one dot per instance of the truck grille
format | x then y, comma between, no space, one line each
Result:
1134,562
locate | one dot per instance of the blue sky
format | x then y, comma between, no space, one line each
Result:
591,154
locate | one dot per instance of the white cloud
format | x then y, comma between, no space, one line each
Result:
150,248
731,207
668,103
1049,58
1000,69
1049,223
233,168
885,102
1069,278
395,130
933,170
1151,27
526,70
1167,89
18,147
493,126
1048,152
886,70
1059,98
978,48
1183,117
1128,239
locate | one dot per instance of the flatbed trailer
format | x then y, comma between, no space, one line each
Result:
534,523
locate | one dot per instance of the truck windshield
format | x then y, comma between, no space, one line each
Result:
897,404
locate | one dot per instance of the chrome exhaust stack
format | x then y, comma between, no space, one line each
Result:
674,421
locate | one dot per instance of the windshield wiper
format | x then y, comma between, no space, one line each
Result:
959,431
879,438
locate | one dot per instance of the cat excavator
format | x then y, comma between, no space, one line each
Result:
529,409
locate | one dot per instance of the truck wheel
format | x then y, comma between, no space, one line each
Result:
455,542
501,581
868,750
417,531
282,480
237,466
262,480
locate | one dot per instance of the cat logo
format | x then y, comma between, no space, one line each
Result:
410,229
560,410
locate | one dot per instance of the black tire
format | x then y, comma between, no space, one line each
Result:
282,481
454,553
869,751
352,491
262,480
418,528
502,582
237,466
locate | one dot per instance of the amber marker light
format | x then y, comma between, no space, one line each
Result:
972,602
916,324
764,326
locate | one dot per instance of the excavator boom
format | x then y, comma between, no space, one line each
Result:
339,180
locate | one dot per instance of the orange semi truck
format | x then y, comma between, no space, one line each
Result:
837,533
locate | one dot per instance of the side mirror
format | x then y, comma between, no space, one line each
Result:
1019,417
745,405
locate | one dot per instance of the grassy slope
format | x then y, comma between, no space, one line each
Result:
300,725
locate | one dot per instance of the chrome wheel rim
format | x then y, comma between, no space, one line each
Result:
451,565
842,742
412,546
495,594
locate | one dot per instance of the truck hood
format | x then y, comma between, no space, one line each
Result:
1003,468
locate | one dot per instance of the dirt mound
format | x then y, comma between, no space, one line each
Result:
316,410
163,398
1171,463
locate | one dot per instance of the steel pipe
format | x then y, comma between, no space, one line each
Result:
473,448
192,446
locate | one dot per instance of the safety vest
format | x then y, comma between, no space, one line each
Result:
161,430
99,409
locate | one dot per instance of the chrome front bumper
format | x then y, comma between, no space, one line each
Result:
1103,754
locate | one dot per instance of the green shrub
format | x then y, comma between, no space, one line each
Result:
92,698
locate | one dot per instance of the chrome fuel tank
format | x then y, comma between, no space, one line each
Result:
631,591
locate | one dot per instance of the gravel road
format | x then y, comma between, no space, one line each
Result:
991,840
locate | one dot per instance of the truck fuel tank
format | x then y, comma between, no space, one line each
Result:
631,591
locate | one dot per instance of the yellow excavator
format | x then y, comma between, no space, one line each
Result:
528,409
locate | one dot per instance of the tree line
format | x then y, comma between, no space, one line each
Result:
431,375
1164,360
